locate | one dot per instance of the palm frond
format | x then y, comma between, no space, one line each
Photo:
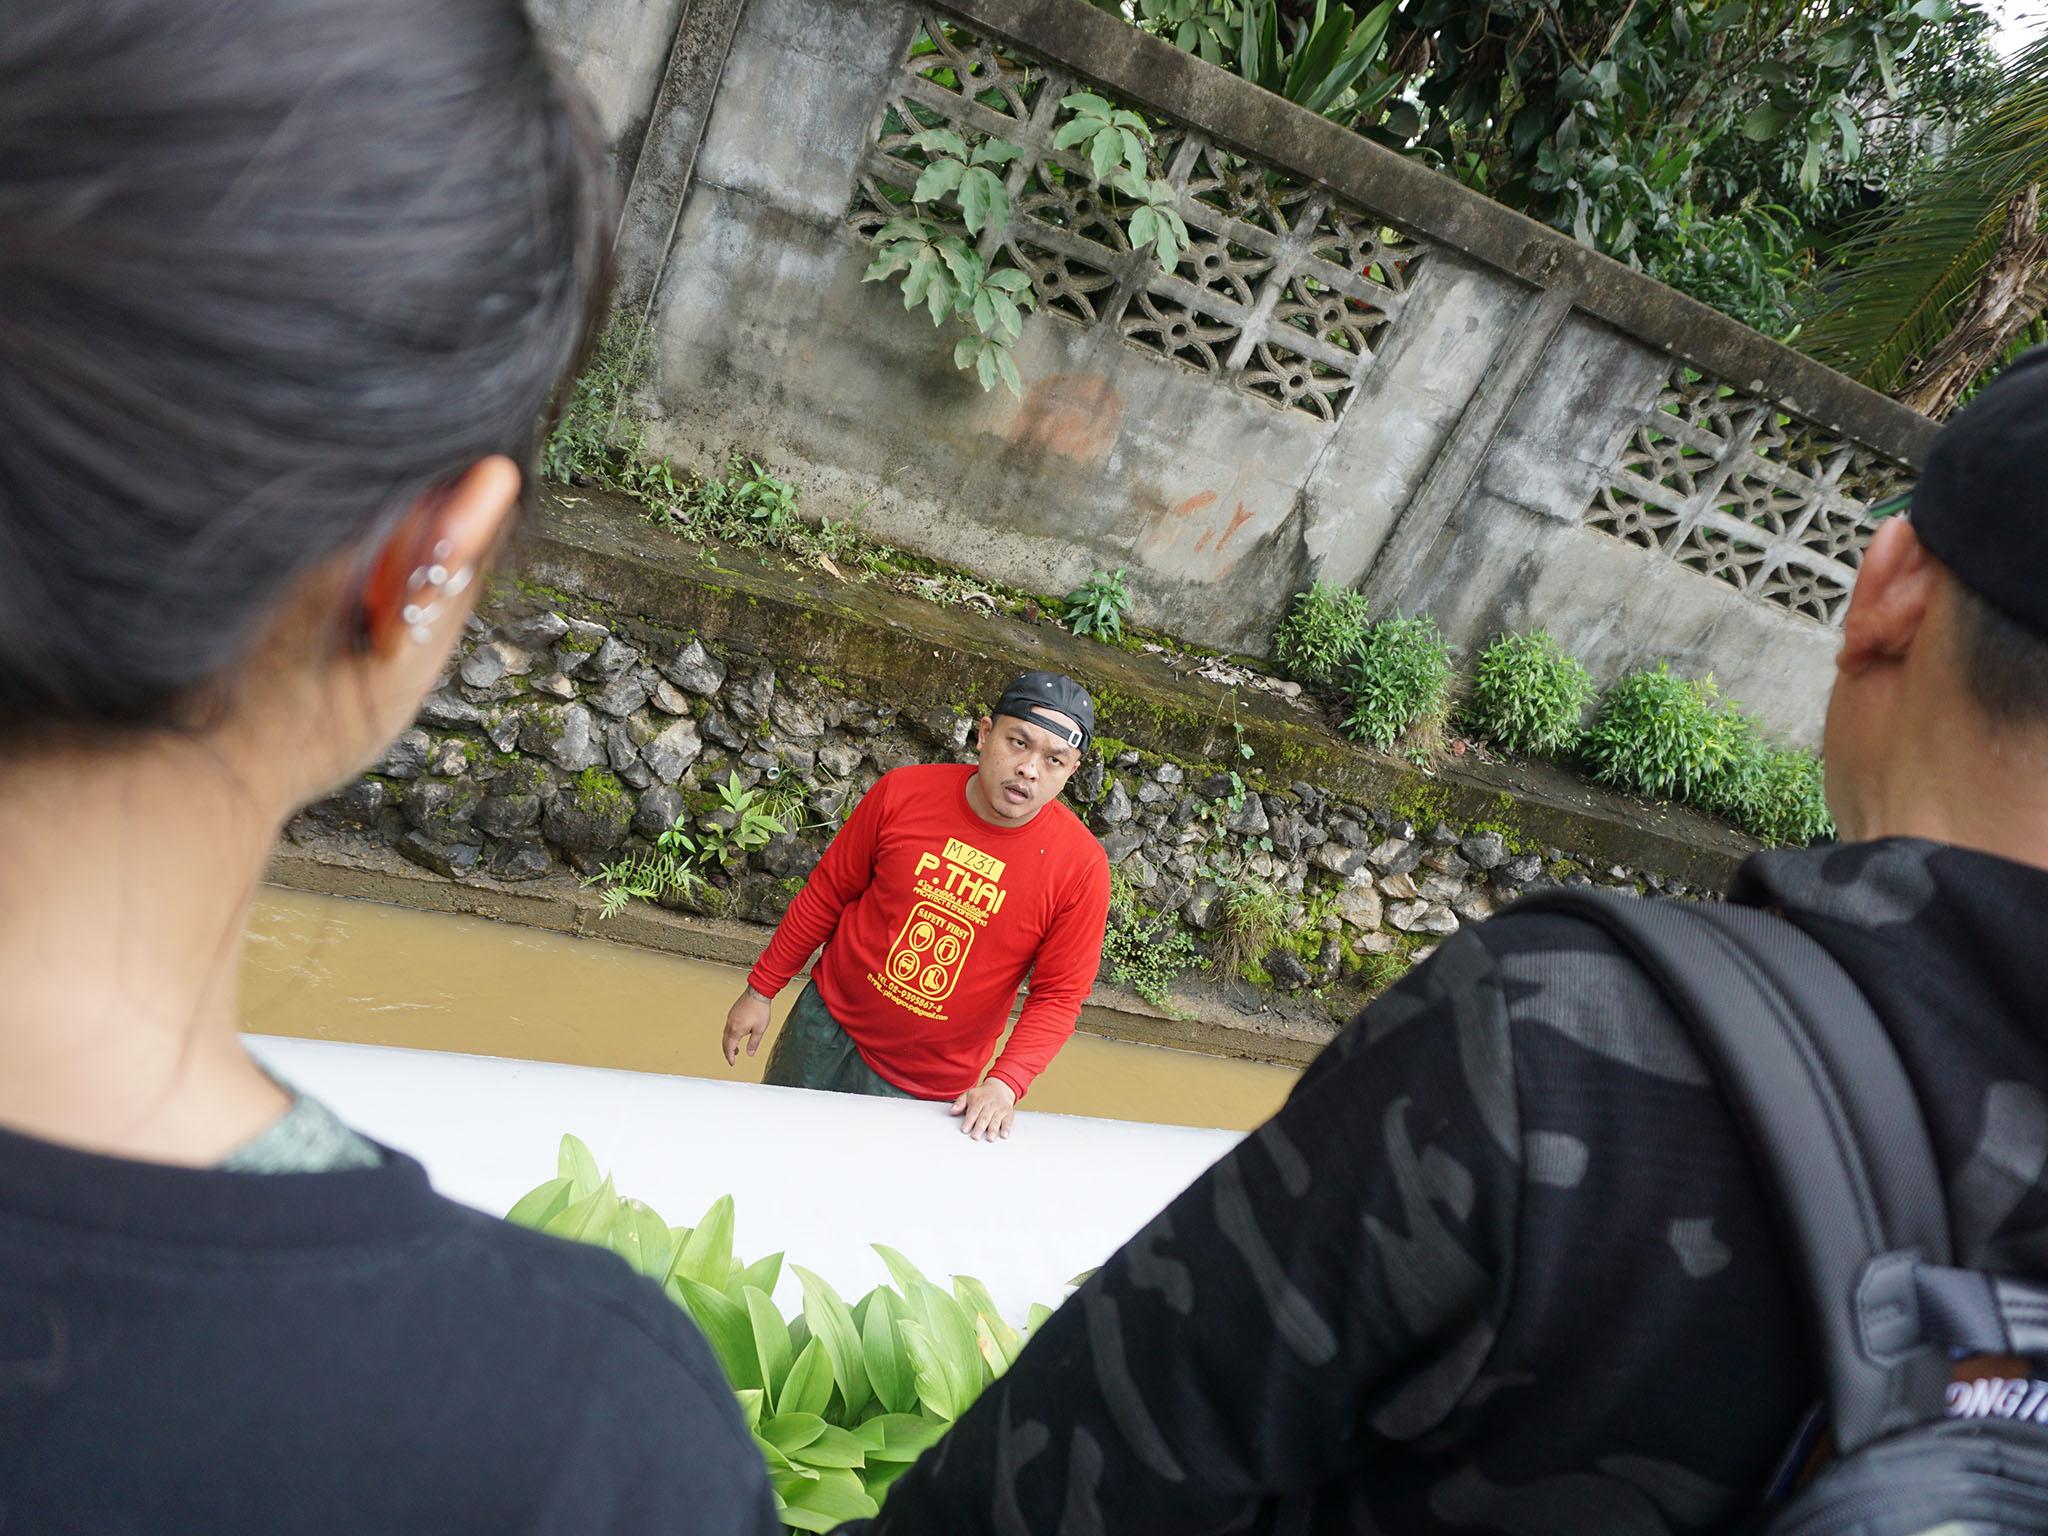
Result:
1900,277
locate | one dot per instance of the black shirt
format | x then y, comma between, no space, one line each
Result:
1503,1263
187,1350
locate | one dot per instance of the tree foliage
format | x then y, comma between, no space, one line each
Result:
1723,146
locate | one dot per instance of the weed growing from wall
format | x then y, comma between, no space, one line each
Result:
1529,695
1659,734
687,852
598,433
1096,608
1323,634
1400,687
1769,791
1143,950
1253,914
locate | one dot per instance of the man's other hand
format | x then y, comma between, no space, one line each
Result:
748,1021
986,1112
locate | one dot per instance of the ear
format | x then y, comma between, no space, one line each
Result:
981,731
1894,585
448,534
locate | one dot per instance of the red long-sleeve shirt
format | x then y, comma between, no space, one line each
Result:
931,916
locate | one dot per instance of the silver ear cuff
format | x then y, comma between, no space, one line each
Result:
430,587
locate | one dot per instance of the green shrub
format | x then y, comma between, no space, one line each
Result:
1145,951
1529,695
1096,608
841,1400
1659,734
1771,792
1400,685
1319,640
1792,808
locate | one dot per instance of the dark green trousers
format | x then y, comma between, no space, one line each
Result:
812,1051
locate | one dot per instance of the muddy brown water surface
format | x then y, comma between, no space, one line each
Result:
325,968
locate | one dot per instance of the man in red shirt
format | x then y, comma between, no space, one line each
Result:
947,885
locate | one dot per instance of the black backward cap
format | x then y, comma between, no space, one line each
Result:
1981,506
1027,696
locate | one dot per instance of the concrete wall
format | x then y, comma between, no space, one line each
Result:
617,51
1508,431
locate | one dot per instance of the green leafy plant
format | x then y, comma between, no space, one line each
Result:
597,435
1399,686
841,1399
946,273
1118,145
1145,951
1772,792
684,854
1319,640
1253,914
739,825
1791,807
1096,608
666,870
1529,695
1660,734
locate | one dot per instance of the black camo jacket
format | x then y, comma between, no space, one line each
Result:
1502,1264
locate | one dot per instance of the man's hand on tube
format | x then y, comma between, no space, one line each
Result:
986,1112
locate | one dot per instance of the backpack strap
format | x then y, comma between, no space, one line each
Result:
1824,1102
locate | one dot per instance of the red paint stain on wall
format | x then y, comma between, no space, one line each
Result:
1195,503
1073,416
1237,520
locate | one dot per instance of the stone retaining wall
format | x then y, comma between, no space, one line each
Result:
568,732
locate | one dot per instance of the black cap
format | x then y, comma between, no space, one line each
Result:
1981,505
1028,697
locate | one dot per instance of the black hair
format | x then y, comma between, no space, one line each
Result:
2005,664
270,271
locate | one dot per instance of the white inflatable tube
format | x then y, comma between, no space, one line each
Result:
818,1176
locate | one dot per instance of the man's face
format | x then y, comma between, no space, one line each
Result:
1023,766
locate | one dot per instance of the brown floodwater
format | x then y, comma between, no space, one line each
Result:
326,968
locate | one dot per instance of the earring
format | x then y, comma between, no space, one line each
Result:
435,584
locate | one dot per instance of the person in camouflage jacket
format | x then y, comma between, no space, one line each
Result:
1504,1262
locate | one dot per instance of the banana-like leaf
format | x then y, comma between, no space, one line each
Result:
771,1340
537,1206
808,1388
832,1326
928,1371
906,1274
641,1238
825,1502
707,1256
588,1220
898,1436
791,1432
882,1352
725,1325
836,1448
575,1163
981,1306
